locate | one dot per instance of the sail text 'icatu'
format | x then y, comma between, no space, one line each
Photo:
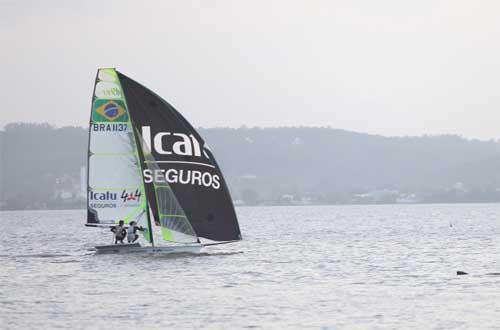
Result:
178,144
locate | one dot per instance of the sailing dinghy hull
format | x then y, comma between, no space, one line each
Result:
157,250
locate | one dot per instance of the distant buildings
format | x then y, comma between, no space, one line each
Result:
69,189
457,193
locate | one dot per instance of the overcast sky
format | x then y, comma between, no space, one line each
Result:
387,67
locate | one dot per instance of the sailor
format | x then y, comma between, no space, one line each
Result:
120,232
132,235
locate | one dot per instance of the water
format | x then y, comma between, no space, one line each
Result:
318,267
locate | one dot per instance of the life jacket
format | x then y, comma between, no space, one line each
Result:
120,232
131,232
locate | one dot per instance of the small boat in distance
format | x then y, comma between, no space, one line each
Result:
147,164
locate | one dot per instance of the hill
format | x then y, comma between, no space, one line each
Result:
41,166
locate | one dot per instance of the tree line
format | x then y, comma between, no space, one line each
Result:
274,165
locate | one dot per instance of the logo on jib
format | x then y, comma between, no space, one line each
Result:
131,197
108,199
102,196
102,200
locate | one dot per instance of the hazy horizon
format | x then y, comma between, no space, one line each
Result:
387,68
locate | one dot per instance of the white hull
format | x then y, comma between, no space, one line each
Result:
157,250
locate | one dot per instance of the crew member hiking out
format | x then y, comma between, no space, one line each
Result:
132,235
120,232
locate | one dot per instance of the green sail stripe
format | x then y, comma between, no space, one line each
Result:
166,234
137,211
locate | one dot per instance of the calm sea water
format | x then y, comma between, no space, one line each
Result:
318,267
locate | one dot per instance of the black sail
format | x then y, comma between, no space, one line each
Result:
181,159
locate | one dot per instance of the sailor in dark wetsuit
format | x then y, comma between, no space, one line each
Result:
132,235
120,232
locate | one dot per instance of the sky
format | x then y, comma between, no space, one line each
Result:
386,67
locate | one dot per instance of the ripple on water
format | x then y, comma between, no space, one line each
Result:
339,267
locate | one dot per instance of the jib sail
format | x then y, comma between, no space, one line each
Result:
169,215
114,181
184,185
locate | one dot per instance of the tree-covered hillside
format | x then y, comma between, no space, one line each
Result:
41,166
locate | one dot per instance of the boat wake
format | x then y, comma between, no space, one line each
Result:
38,255
213,254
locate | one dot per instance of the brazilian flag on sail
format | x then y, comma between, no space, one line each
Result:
109,111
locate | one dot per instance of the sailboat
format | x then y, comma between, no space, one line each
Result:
147,164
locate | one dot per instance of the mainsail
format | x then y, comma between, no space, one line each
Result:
159,155
114,181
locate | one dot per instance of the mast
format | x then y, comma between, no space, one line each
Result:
87,199
150,227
